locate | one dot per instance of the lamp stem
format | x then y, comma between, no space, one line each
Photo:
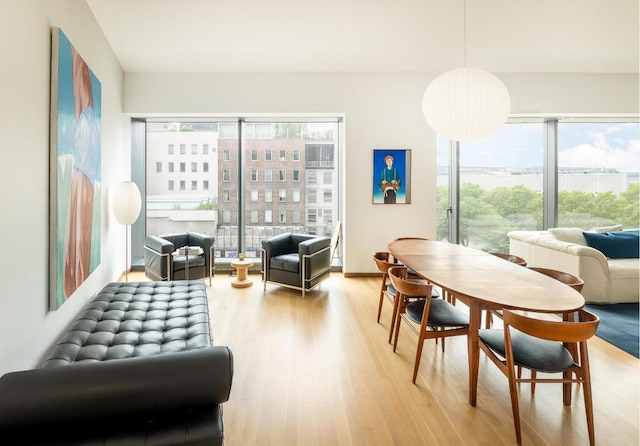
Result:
126,254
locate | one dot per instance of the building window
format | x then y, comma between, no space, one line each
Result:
254,216
282,216
296,175
159,167
205,149
205,184
295,195
328,195
171,149
282,175
194,167
254,195
282,195
312,218
170,167
194,185
254,175
295,217
268,216
226,217
205,167
183,149
182,167
225,155
194,149
283,155
183,185
267,155
268,196
312,177
226,195
328,177
254,155
226,175
296,155
268,176
171,186
311,196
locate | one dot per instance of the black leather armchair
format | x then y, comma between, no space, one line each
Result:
161,262
298,261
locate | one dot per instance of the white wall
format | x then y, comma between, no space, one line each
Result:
381,111
27,328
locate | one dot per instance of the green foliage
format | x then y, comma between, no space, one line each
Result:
487,216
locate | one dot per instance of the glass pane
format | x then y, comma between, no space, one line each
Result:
501,186
598,175
293,153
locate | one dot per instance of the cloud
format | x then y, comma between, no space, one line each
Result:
599,154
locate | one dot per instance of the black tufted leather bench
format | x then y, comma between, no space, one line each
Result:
137,367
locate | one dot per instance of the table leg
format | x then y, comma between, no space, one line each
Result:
473,349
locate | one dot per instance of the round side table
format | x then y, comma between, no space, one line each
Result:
241,280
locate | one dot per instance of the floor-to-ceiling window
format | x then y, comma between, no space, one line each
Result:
242,180
538,173
598,165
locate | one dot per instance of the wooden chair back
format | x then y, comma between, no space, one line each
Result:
511,258
561,331
574,282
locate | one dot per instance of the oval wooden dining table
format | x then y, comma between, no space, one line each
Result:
484,282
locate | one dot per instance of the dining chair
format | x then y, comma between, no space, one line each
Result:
541,345
510,258
435,318
383,263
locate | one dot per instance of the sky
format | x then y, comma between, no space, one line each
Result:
586,145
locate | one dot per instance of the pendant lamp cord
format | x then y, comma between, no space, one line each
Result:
464,32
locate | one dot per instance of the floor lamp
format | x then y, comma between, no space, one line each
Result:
126,208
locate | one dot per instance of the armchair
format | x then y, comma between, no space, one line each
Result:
163,262
298,261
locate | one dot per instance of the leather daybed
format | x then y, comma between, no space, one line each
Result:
137,367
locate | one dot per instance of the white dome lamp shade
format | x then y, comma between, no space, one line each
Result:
126,208
466,104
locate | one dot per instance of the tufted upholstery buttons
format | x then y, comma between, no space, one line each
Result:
134,319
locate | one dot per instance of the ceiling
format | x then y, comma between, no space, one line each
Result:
507,36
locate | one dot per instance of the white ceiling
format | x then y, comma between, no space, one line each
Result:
508,36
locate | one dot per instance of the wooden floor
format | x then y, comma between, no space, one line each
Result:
319,371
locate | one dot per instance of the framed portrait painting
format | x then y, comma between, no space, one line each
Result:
75,170
391,176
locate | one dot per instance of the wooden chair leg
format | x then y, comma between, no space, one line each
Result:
489,320
396,309
515,407
585,375
380,302
397,321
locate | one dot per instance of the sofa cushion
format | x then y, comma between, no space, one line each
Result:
616,244
286,262
569,235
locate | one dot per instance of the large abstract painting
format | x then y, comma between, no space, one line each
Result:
75,192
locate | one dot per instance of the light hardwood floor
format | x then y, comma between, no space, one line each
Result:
319,371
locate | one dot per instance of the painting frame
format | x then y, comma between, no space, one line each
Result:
75,191
391,176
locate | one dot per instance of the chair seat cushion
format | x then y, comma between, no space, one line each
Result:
532,353
441,314
194,260
286,262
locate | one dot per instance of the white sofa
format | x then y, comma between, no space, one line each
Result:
565,249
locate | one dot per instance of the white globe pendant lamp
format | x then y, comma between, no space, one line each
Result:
466,104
